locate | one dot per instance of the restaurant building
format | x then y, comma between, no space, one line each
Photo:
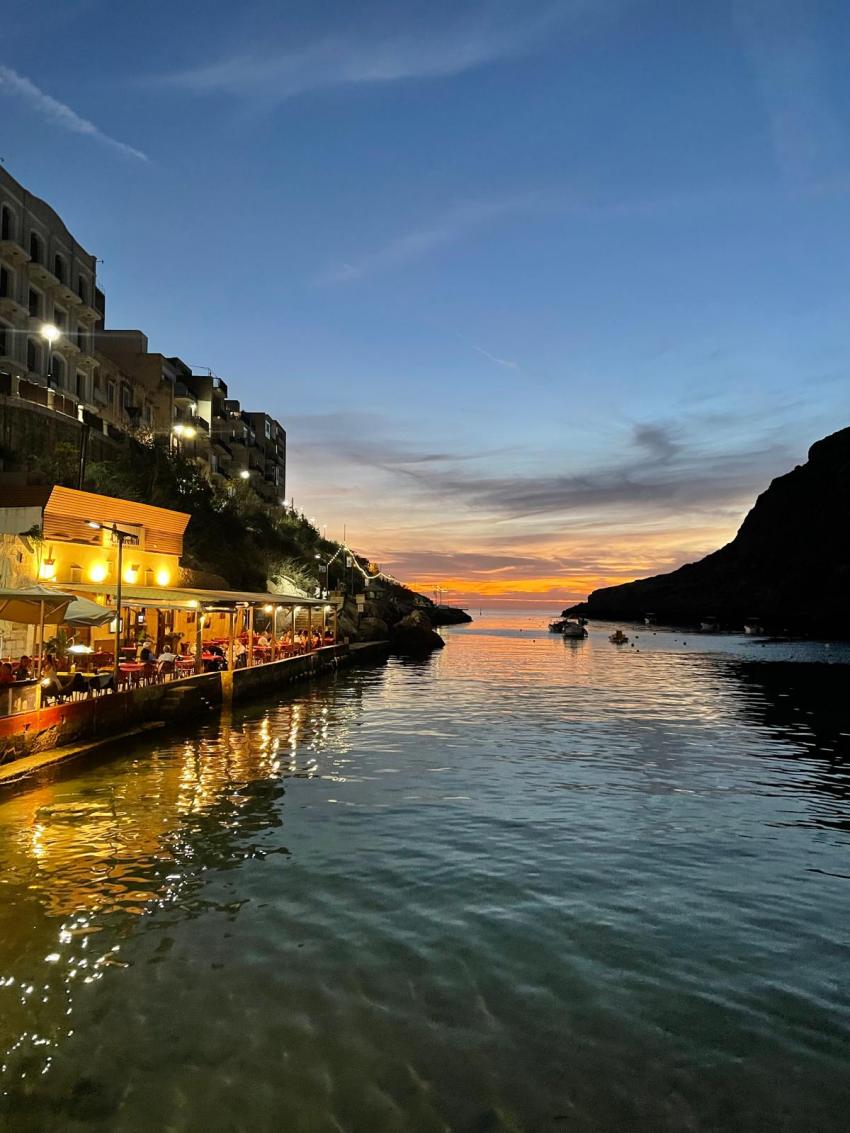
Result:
63,538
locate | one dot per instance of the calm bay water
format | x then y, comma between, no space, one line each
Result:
528,884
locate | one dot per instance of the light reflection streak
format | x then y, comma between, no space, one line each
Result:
87,864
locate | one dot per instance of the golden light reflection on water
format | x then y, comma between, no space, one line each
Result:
507,731
82,858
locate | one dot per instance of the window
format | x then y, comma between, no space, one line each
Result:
4,339
6,283
268,430
59,268
82,339
58,371
36,248
110,393
125,397
35,304
80,384
82,290
33,356
60,318
7,224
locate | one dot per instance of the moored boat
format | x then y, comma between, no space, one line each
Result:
709,625
573,628
618,638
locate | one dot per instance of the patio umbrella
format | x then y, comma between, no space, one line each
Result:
83,612
35,606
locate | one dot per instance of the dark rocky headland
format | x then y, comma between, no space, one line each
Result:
788,567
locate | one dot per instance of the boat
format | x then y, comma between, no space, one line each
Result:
557,627
573,628
618,638
649,619
709,625
753,627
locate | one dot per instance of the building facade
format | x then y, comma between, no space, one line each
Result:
46,278
57,356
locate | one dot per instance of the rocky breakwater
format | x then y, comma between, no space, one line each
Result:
401,617
788,567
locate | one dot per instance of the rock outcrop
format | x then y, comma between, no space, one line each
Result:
415,634
788,567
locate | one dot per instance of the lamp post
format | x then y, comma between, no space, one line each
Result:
120,537
325,566
183,432
50,332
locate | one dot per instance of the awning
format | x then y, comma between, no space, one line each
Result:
170,597
82,612
34,605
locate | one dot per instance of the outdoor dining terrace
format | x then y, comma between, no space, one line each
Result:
185,634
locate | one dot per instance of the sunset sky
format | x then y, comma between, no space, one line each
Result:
543,293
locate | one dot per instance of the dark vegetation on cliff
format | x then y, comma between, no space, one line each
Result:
788,566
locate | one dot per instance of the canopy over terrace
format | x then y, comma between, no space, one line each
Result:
192,602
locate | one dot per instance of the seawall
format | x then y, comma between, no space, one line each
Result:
33,739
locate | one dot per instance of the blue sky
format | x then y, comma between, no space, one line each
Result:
544,293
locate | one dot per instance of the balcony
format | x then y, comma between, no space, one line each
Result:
67,294
10,308
183,395
43,275
87,314
65,345
12,251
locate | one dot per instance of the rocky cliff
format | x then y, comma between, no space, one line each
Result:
788,566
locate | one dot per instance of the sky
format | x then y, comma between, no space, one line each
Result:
544,293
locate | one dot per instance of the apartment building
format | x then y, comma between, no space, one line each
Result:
57,358
257,445
47,281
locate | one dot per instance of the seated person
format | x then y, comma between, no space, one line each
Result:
263,642
23,671
240,655
50,682
7,677
146,653
219,662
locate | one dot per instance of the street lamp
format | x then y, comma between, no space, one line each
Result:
245,474
326,567
183,433
50,332
120,537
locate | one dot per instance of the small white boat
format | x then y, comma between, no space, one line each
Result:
753,627
709,625
573,628
649,619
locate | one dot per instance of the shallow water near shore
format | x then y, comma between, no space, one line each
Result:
526,884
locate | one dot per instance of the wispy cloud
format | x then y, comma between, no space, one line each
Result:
58,113
781,41
475,36
450,226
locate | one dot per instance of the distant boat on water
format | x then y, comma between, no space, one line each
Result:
709,625
618,638
569,627
753,627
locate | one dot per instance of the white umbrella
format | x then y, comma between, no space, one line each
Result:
35,606
83,612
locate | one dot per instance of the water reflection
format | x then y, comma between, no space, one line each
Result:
520,881
83,856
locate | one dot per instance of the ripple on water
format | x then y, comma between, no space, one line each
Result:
525,885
